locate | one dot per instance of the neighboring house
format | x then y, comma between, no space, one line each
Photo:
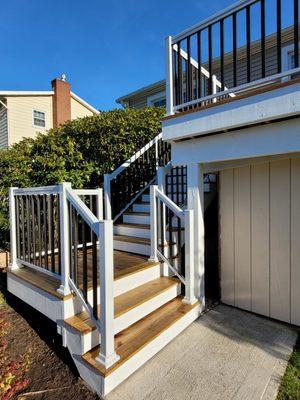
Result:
152,95
174,238
25,113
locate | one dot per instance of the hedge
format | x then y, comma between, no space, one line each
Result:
80,151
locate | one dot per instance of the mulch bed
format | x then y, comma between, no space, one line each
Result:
33,363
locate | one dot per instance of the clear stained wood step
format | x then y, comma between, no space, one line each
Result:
136,337
125,302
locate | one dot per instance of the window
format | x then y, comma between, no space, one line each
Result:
157,100
288,58
39,119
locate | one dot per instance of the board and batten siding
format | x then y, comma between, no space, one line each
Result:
260,238
3,128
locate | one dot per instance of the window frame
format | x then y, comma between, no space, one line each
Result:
33,118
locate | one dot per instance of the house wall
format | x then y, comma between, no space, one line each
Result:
259,238
78,110
21,116
3,128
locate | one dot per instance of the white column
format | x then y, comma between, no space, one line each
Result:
153,224
107,355
169,77
64,288
99,202
13,230
107,196
189,297
195,202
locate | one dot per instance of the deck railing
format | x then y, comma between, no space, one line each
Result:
233,51
127,182
56,232
172,240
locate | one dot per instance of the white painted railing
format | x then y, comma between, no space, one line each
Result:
29,210
169,219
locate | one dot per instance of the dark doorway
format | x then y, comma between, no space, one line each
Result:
211,221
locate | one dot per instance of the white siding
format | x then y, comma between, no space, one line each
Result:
259,239
78,110
3,128
21,116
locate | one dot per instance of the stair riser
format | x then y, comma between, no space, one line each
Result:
146,198
132,232
92,339
141,207
134,248
105,385
136,219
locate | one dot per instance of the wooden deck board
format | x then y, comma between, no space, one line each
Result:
138,335
125,302
124,264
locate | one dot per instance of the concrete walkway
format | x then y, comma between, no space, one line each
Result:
225,354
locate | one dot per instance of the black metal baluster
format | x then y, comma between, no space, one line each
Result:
179,60
39,229
23,228
296,33
84,261
58,234
248,39
162,224
75,249
28,229
188,70
263,37
210,69
33,229
52,226
95,275
45,226
199,55
278,36
177,186
222,53
234,51
18,226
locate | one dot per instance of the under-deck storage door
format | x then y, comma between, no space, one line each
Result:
260,238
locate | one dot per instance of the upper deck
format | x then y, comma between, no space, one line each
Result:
248,48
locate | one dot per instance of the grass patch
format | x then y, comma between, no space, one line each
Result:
290,384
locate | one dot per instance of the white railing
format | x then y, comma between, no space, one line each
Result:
161,206
28,211
109,178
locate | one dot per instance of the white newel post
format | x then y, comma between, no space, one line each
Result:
153,224
13,230
169,76
64,288
214,87
107,355
107,196
99,202
189,297
195,202
161,181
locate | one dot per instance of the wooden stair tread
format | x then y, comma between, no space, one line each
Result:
132,239
145,214
125,302
130,225
134,338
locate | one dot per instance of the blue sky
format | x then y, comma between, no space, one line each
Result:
106,48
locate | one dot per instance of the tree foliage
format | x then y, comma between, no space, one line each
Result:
80,151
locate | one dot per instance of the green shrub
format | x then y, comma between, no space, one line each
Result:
80,151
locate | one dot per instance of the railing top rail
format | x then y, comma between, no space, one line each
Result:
174,207
134,157
87,192
241,88
82,209
212,19
37,190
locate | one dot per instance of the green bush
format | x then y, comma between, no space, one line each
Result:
80,151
